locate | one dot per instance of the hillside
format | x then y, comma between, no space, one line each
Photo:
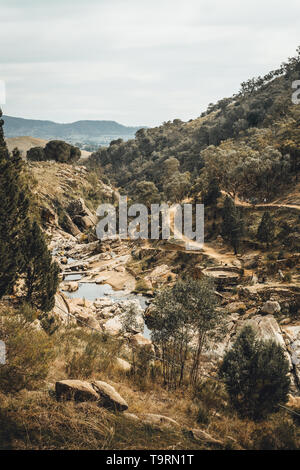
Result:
241,142
97,132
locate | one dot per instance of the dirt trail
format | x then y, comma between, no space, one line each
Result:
228,259
276,204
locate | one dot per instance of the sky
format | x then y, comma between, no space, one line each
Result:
138,62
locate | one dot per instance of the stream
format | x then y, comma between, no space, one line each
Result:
92,291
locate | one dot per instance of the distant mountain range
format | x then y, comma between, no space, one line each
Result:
97,132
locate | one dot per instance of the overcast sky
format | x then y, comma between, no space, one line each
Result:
139,62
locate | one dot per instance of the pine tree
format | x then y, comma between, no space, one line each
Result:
256,375
23,250
232,226
41,274
13,212
266,229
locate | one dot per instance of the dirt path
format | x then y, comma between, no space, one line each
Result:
276,204
228,259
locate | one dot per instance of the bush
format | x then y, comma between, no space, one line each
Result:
279,433
36,154
29,353
88,353
62,152
255,374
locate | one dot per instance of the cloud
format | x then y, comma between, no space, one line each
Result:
139,62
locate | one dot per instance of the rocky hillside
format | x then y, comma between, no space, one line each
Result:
248,143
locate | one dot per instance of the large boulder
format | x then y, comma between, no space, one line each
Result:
271,307
77,390
139,341
81,214
123,365
109,397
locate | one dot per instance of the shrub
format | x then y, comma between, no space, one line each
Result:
36,154
279,433
255,374
62,152
29,354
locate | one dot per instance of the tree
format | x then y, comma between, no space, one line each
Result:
36,154
232,225
62,152
41,274
179,314
14,209
146,193
212,194
266,229
255,374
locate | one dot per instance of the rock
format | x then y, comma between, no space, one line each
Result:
77,390
103,302
140,342
293,337
123,365
203,436
70,226
64,260
36,325
88,319
77,207
266,328
159,420
71,286
120,269
236,307
109,397
61,308
252,311
294,402
113,326
159,272
271,307
131,416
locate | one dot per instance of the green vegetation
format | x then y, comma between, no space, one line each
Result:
266,229
255,373
248,144
57,150
41,273
29,352
23,251
232,226
178,314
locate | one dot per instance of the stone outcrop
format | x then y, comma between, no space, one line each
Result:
271,307
81,391
81,214
109,397
77,390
